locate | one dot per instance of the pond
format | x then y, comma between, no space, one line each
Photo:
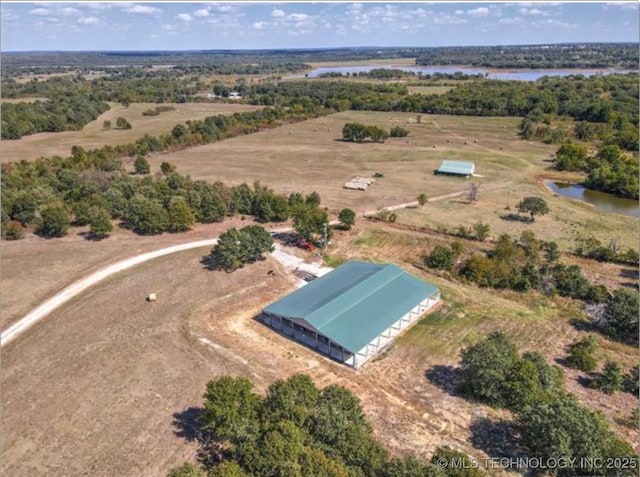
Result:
601,200
506,74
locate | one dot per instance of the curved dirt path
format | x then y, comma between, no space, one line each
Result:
83,284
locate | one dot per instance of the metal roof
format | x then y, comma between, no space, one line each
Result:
457,167
354,303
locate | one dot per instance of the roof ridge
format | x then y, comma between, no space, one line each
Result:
354,290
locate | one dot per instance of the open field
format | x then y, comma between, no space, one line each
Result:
33,269
110,367
566,221
311,156
93,135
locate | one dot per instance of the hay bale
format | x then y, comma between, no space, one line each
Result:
151,297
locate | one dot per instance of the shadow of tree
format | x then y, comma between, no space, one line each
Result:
632,273
445,377
515,218
186,425
499,439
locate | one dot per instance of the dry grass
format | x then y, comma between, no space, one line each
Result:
310,156
93,135
33,269
23,100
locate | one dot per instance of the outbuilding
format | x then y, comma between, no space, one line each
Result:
456,168
354,311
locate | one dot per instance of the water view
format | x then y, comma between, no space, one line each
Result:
601,200
507,74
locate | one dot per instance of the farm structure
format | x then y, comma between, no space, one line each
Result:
359,183
351,313
456,168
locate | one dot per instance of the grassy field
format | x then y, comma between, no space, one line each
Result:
93,135
311,156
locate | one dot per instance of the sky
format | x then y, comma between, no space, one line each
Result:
182,26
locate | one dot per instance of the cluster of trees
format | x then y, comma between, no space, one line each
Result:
356,132
592,55
609,170
91,188
551,423
591,247
397,73
298,430
60,113
522,264
581,356
236,248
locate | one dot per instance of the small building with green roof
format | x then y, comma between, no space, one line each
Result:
456,168
354,311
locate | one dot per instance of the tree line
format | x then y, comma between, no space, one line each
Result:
590,55
298,430
60,113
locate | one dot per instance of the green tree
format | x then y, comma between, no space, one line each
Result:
227,469
54,221
122,123
146,216
347,218
312,200
581,354
309,222
100,223
422,199
610,380
141,165
631,382
181,216
354,132
293,399
230,409
242,199
563,429
484,369
24,207
481,231
533,206
621,316
106,125
571,157
237,247
442,258
167,168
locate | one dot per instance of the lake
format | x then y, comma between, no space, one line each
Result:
601,200
507,74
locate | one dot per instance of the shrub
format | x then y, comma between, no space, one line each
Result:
481,231
181,216
398,131
621,316
581,354
442,258
141,165
238,247
122,123
347,218
12,231
610,380
100,223
167,168
533,206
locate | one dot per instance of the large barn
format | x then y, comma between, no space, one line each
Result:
353,312
456,168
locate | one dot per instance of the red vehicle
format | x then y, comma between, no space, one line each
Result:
302,243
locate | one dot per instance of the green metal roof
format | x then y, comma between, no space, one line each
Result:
457,167
354,303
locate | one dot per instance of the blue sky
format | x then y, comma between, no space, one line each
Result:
176,26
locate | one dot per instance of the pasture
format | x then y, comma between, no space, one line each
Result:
94,135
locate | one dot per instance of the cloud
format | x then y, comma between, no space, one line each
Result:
168,27
260,25
142,9
511,21
202,12
185,17
88,20
478,12
41,12
533,12
277,13
67,11
296,17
